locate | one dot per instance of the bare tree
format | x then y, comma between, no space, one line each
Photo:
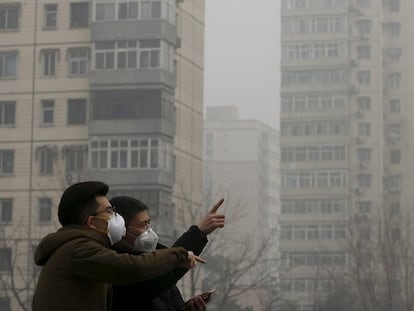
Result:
16,278
240,264
380,272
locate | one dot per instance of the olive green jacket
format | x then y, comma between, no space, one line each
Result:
78,265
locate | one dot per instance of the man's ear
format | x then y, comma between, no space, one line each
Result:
89,223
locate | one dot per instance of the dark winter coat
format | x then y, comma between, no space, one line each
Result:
78,265
159,294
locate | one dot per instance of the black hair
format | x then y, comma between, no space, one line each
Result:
79,201
127,207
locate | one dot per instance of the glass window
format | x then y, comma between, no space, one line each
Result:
79,15
395,106
6,209
48,111
8,65
5,259
105,11
9,17
45,210
6,161
7,113
364,52
50,17
364,77
46,156
395,156
49,59
78,62
364,180
76,111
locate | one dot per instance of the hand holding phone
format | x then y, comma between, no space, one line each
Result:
207,295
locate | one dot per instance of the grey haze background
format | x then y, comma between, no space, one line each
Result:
242,57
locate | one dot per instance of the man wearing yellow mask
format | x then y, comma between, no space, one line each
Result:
79,266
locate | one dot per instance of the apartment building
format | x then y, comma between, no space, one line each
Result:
346,129
94,90
241,164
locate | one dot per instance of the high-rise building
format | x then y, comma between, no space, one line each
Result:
241,164
346,128
105,90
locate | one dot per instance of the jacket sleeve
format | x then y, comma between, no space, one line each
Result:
94,262
193,240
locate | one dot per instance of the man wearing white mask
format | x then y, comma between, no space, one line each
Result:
78,265
158,294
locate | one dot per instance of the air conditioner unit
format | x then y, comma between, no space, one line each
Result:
363,164
363,36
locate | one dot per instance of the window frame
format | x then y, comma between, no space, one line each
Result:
78,6
8,71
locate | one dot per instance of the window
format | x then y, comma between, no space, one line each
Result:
49,59
392,54
45,210
50,17
46,155
9,17
7,113
79,15
395,106
6,207
131,154
364,154
78,61
6,161
364,52
76,111
364,180
5,304
48,109
5,259
363,26
364,77
394,183
149,53
392,29
364,207
364,103
8,65
75,158
133,54
364,4
393,5
364,129
128,10
394,80
105,11
395,156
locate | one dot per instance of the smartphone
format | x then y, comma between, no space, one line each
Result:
207,295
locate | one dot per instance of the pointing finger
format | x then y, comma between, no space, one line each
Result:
215,207
199,259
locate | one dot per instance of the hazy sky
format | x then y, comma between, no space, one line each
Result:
242,57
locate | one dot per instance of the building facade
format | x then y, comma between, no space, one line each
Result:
346,106
241,164
94,90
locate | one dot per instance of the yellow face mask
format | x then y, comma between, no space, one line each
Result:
115,229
